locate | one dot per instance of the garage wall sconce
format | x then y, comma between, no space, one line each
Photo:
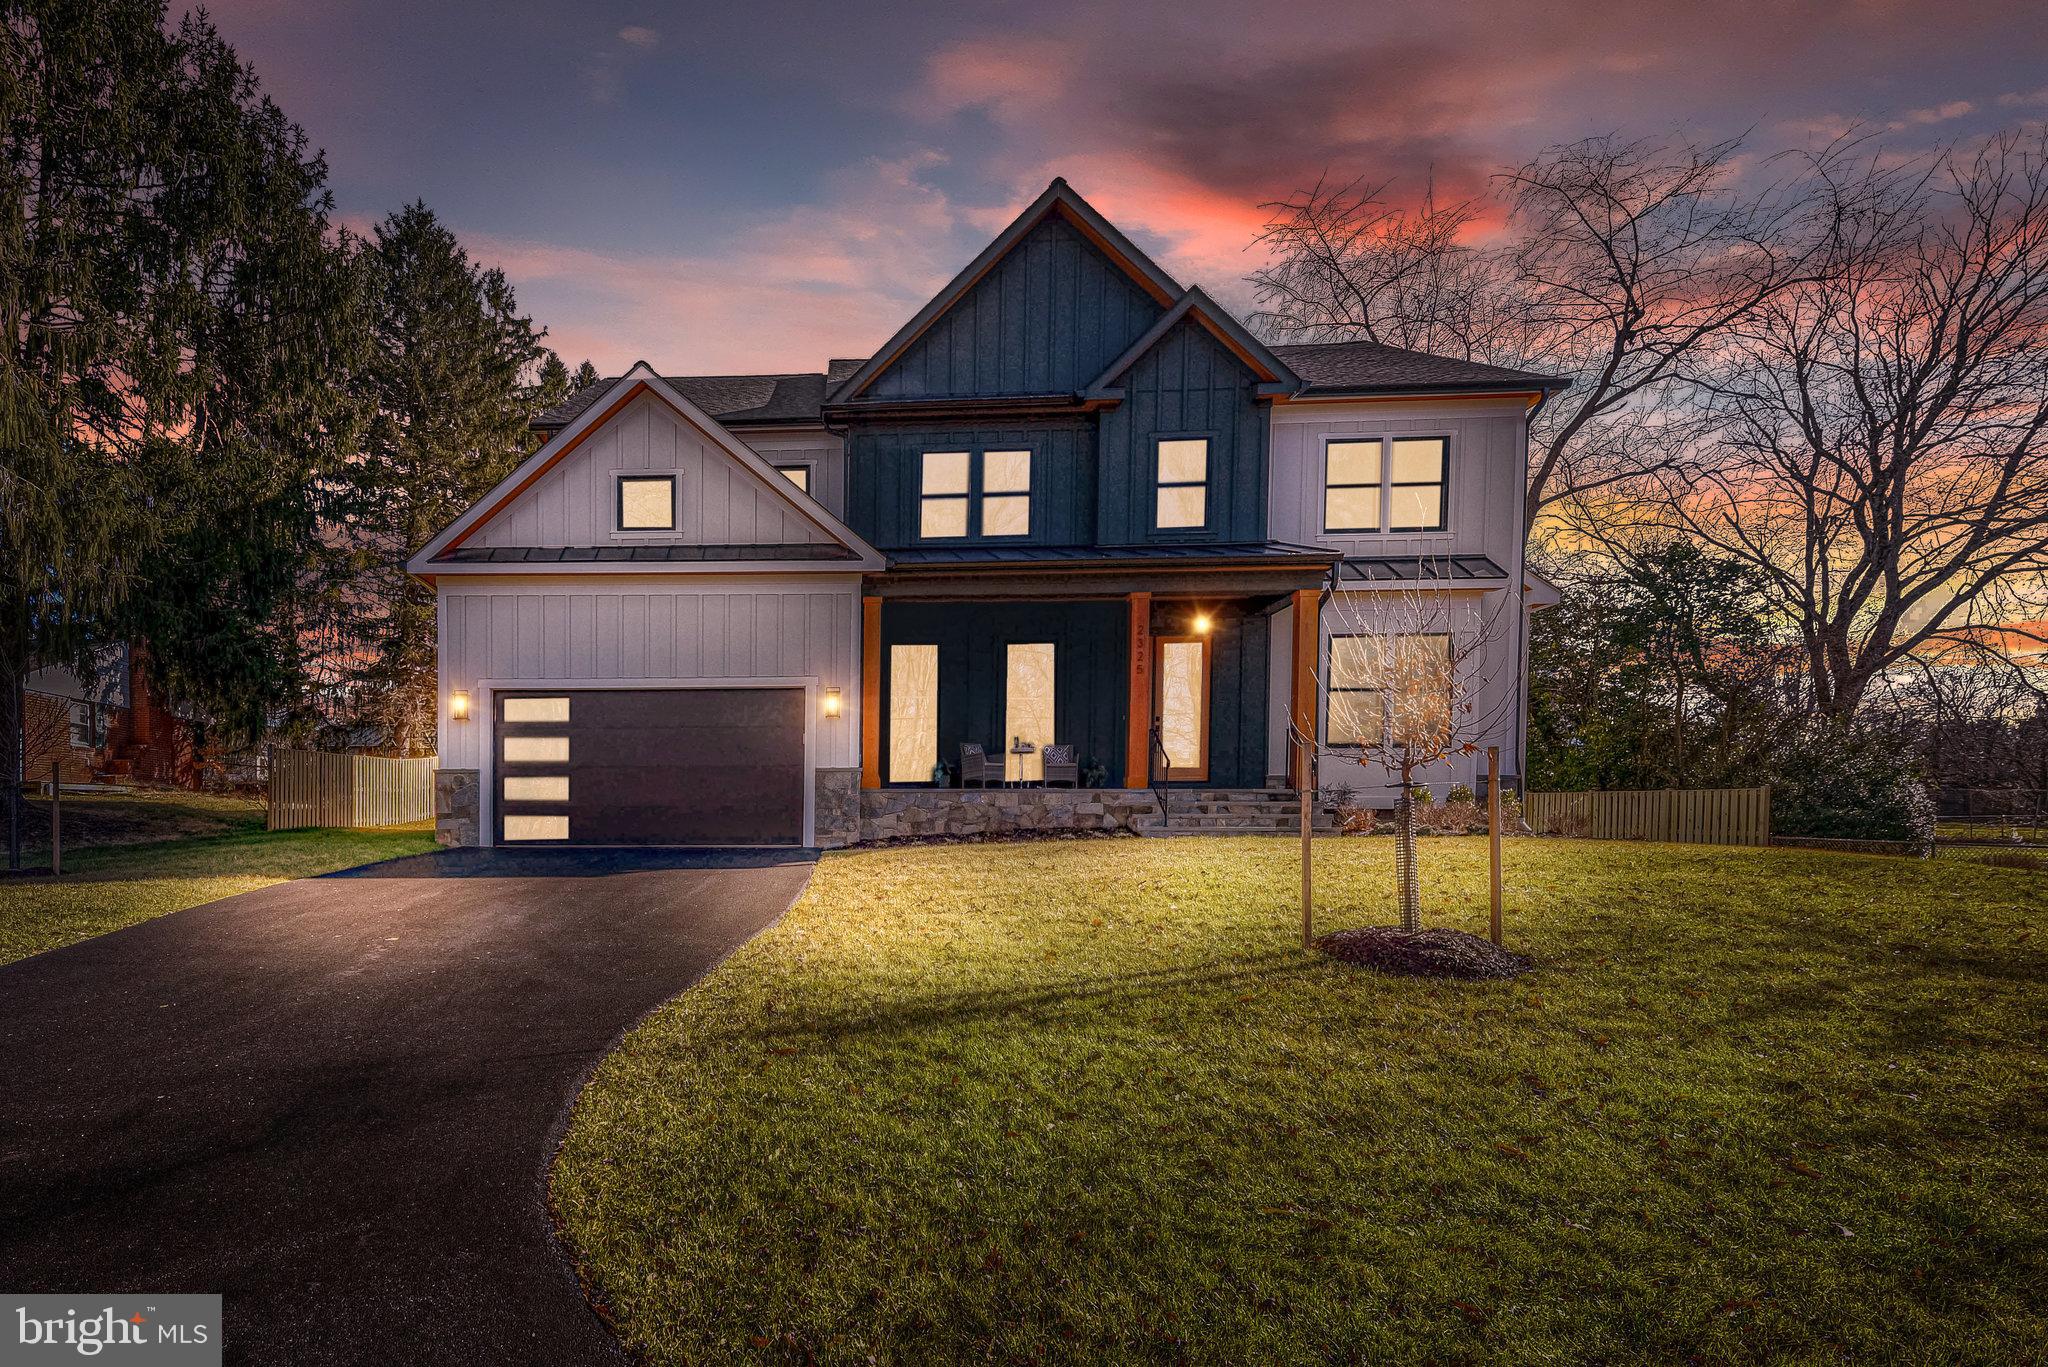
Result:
458,706
831,702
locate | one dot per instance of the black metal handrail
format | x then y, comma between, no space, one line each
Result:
1161,787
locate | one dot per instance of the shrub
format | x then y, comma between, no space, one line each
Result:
1841,784
1460,792
1422,796
1358,821
1460,816
1566,822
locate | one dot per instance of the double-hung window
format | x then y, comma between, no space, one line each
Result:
1385,484
958,489
1181,499
942,494
1389,688
1006,493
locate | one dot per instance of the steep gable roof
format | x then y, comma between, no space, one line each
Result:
438,553
1059,198
1198,306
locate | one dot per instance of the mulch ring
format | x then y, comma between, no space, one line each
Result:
1424,953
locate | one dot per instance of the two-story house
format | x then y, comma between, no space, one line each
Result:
1071,503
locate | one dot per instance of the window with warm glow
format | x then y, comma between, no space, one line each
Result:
647,503
1393,687
1415,483
913,712
942,495
1182,498
1183,705
799,475
1385,484
1351,486
1006,493
536,709
1027,708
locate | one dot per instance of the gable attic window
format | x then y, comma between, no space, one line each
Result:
647,503
799,475
1182,498
942,495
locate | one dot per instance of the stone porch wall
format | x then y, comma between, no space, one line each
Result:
913,813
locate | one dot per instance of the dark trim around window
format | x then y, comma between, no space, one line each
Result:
619,501
1207,484
1442,483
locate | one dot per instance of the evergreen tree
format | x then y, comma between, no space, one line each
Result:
553,386
173,313
585,376
449,383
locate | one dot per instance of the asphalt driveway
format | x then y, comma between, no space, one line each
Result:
335,1100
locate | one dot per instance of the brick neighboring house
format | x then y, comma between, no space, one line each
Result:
112,729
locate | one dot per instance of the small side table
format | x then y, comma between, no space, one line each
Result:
1020,750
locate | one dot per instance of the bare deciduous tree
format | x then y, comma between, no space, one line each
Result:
1619,260
1880,455
1414,676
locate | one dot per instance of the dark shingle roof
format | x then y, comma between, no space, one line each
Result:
735,400
1369,367
1325,368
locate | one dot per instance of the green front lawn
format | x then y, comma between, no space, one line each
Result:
223,850
1088,1102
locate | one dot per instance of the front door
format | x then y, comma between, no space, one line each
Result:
1182,705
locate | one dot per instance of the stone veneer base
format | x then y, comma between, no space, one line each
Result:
455,807
923,813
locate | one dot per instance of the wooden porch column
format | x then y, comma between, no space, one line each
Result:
1307,645
1138,729
870,692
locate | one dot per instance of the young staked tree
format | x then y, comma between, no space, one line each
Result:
167,306
1881,458
455,375
1618,260
1415,675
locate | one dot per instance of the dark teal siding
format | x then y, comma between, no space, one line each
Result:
1045,320
883,472
1188,385
1237,689
1090,669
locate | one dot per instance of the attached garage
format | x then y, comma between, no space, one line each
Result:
650,766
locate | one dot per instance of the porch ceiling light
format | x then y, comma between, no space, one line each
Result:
458,706
1202,623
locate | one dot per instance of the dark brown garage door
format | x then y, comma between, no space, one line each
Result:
657,766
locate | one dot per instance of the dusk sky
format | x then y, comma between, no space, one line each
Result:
760,186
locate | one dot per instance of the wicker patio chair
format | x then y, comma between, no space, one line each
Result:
977,766
1061,766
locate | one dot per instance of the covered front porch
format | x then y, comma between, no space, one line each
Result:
1146,676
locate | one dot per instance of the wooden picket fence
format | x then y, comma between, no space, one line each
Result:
1694,816
322,788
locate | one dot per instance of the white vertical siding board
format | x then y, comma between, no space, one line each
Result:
685,632
721,503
